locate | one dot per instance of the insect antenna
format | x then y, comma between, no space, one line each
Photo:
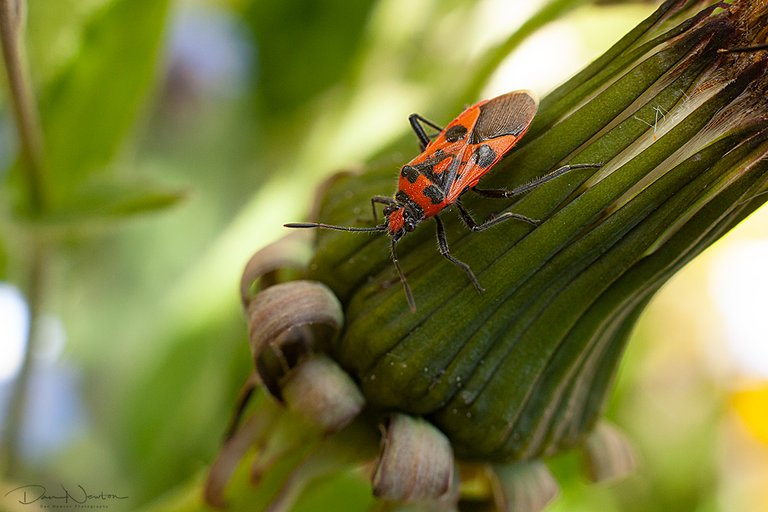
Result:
408,294
383,227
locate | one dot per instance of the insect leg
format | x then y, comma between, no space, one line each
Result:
504,193
416,123
491,221
381,200
442,243
406,288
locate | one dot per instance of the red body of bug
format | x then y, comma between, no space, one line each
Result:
449,165
455,160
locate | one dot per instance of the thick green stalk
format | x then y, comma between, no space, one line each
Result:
522,370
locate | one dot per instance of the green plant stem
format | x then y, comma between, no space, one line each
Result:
30,137
23,101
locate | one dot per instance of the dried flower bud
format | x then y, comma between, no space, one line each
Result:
286,322
608,454
416,461
290,252
318,389
524,487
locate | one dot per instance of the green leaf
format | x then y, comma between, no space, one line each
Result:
108,199
54,35
291,28
91,106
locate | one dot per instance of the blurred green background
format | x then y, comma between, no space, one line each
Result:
179,136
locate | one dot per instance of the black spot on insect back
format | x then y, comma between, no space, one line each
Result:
455,133
434,194
410,173
485,155
425,167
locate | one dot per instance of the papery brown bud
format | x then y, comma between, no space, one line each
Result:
609,455
416,461
290,252
288,321
523,487
319,390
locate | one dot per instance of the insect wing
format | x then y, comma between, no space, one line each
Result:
453,142
500,123
425,180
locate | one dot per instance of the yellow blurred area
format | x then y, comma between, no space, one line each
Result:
751,406
743,465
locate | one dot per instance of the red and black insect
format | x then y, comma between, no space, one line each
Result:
451,164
